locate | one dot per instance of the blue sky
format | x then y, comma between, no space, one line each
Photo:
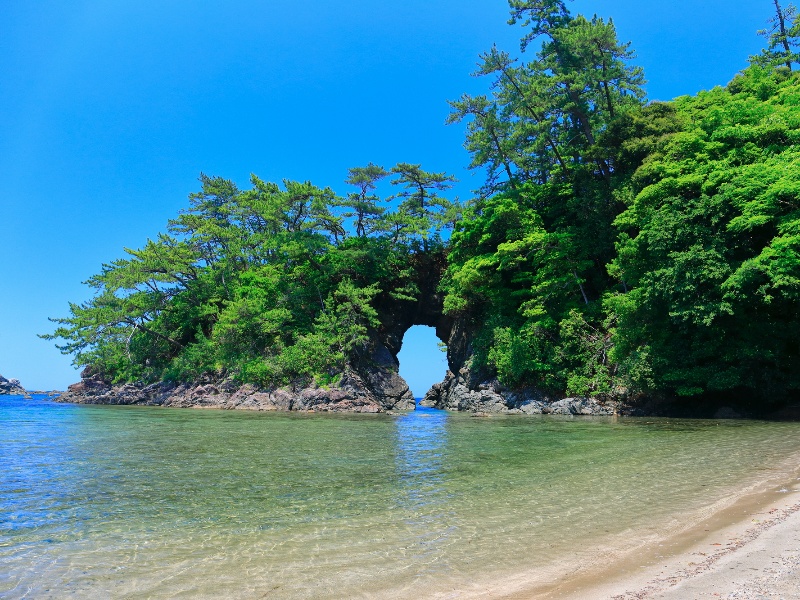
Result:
110,110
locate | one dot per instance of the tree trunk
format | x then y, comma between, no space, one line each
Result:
784,40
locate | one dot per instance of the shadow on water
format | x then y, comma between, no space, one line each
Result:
421,449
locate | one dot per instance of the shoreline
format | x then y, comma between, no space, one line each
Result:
744,546
756,557
748,548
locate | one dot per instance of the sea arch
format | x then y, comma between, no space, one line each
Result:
397,316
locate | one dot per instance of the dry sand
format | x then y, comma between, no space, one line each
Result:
750,550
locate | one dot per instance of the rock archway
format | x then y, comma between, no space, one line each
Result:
370,383
398,316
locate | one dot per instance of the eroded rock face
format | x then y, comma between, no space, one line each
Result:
383,389
351,394
380,376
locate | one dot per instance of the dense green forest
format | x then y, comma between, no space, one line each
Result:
617,248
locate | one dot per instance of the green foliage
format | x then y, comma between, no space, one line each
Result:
630,248
365,205
783,38
710,248
545,117
273,284
527,264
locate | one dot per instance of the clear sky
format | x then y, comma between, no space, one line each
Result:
110,110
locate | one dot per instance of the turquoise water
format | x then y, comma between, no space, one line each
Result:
101,501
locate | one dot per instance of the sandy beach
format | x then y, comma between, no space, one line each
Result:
743,546
749,550
755,559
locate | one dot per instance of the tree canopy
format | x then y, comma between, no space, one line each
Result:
273,284
626,248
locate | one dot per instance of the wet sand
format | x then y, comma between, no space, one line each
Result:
745,546
748,550
758,558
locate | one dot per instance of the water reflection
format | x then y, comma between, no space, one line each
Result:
420,456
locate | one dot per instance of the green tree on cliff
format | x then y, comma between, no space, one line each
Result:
783,38
529,263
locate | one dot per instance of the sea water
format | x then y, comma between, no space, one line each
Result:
142,502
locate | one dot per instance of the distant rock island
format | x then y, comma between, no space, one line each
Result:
11,386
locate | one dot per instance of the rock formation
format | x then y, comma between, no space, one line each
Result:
11,387
371,384
350,394
457,392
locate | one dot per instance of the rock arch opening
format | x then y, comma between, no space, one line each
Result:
381,370
422,359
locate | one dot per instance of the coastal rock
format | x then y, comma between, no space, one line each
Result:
351,394
11,387
455,393
371,384
382,378
579,406
487,397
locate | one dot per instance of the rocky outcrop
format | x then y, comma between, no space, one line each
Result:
11,387
372,383
350,394
379,378
461,392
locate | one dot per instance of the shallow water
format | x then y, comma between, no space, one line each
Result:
101,501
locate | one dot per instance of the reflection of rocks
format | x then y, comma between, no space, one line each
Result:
456,393
726,412
11,387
